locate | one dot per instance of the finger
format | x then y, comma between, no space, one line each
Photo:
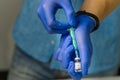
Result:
56,54
64,40
85,59
71,68
67,54
85,64
50,30
60,46
54,24
70,14
67,42
42,17
50,17
41,13
58,51
62,31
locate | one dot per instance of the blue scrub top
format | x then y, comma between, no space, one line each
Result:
29,34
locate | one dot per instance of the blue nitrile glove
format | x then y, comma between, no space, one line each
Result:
65,54
46,13
66,51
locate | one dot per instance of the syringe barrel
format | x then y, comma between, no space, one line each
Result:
72,33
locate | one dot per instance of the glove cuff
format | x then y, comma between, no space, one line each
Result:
94,17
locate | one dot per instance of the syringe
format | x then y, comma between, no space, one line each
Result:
78,66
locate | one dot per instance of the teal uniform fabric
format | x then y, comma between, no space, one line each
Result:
106,43
29,34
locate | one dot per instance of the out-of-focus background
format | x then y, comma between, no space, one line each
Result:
8,12
9,9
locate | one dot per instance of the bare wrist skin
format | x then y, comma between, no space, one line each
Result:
101,8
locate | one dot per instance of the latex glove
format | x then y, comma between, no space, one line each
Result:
66,51
66,55
46,12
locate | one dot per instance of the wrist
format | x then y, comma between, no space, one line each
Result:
90,18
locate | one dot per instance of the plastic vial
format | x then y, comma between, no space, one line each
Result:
78,66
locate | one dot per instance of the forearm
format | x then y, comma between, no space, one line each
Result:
100,8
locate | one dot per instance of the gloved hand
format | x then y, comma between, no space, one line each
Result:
65,52
46,13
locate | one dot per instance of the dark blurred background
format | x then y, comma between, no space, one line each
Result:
8,12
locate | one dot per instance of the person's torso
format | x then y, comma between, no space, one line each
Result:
31,36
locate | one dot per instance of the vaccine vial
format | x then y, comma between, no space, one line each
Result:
78,66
